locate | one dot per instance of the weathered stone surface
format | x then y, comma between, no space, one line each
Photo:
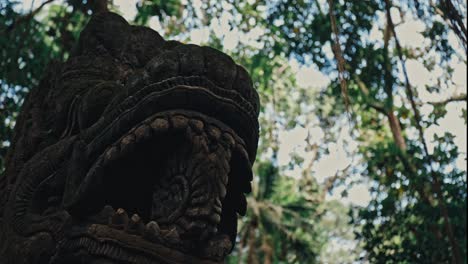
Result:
135,150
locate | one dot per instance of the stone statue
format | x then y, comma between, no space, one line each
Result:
134,150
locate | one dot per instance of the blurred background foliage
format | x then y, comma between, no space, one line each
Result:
416,209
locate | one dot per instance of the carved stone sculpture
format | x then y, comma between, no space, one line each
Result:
134,150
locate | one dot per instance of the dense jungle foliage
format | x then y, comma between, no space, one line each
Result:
381,82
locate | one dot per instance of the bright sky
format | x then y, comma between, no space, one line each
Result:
293,141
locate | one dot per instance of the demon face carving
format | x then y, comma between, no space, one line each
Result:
135,150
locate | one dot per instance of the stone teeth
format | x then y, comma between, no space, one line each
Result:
214,132
127,144
179,122
135,218
229,139
152,231
136,224
142,133
120,219
215,218
153,227
112,154
172,236
217,209
196,125
159,125
218,202
222,189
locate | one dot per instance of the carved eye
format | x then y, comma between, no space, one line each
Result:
95,101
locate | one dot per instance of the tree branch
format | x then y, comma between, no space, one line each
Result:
454,98
455,20
397,132
370,101
307,172
387,110
28,16
330,181
409,90
338,55
436,183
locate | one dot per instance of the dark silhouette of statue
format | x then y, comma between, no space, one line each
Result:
134,150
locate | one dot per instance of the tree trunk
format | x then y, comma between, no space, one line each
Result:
396,131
